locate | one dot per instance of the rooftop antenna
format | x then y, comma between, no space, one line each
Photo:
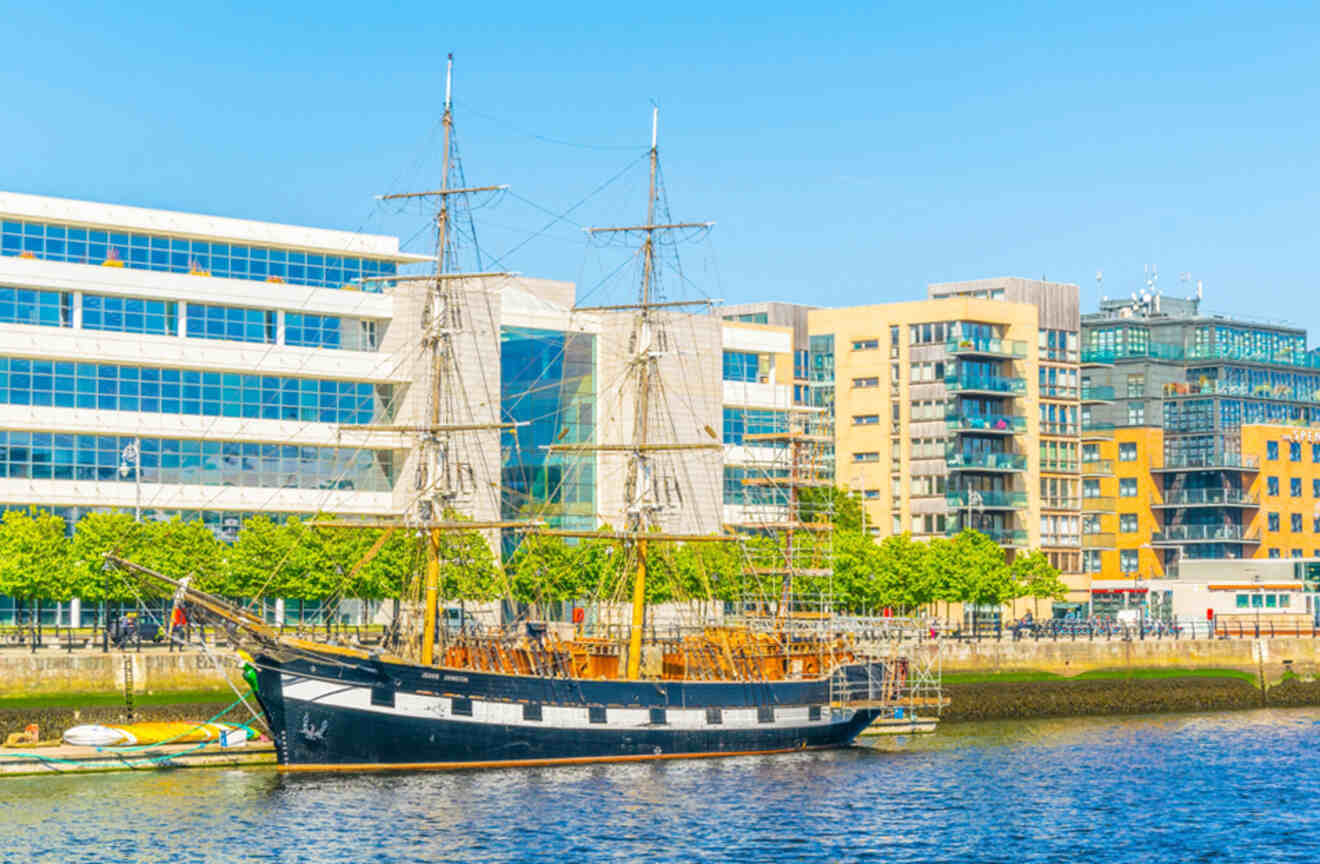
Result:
1200,286
1100,284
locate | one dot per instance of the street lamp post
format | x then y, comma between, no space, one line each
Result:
132,454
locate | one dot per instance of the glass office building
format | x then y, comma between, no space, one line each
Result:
548,387
198,366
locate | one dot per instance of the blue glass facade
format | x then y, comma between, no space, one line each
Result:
329,331
740,366
130,315
743,421
52,242
233,323
29,306
548,383
188,391
208,463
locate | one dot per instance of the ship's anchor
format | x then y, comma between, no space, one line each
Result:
313,733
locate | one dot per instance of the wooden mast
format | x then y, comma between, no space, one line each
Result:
637,464
442,319
432,588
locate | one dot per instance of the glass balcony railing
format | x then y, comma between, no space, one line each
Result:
1098,540
1064,466
985,384
1097,393
987,461
1050,502
1186,533
1097,429
988,347
987,500
1002,536
1058,391
1178,461
989,423
1295,358
1098,466
1069,430
1208,498
1111,355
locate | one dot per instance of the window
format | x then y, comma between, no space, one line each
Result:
1294,451
1274,553
1136,413
461,707
130,315
232,323
1127,487
866,345
531,710
183,460
180,255
658,717
1273,521
1315,452
1127,560
1295,522
1127,523
1315,488
866,419
154,390
1127,452
1272,485
765,713
714,716
596,713
1136,386
738,365
1242,601
1272,450
1285,600
813,713
331,331
28,306
866,382
1295,487
739,422
1315,525
1295,553
868,456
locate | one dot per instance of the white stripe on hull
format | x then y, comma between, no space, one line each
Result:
318,692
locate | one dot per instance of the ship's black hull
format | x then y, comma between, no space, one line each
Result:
326,714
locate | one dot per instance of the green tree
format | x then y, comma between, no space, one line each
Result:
95,535
1038,578
989,581
34,561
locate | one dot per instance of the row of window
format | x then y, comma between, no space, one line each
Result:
1294,487
190,392
180,255
47,456
1295,522
1294,451
1265,601
161,317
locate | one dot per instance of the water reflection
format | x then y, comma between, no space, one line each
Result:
1223,787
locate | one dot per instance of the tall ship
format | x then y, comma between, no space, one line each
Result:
766,675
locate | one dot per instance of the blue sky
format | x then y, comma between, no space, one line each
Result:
846,155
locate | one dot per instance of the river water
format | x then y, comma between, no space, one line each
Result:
1222,787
